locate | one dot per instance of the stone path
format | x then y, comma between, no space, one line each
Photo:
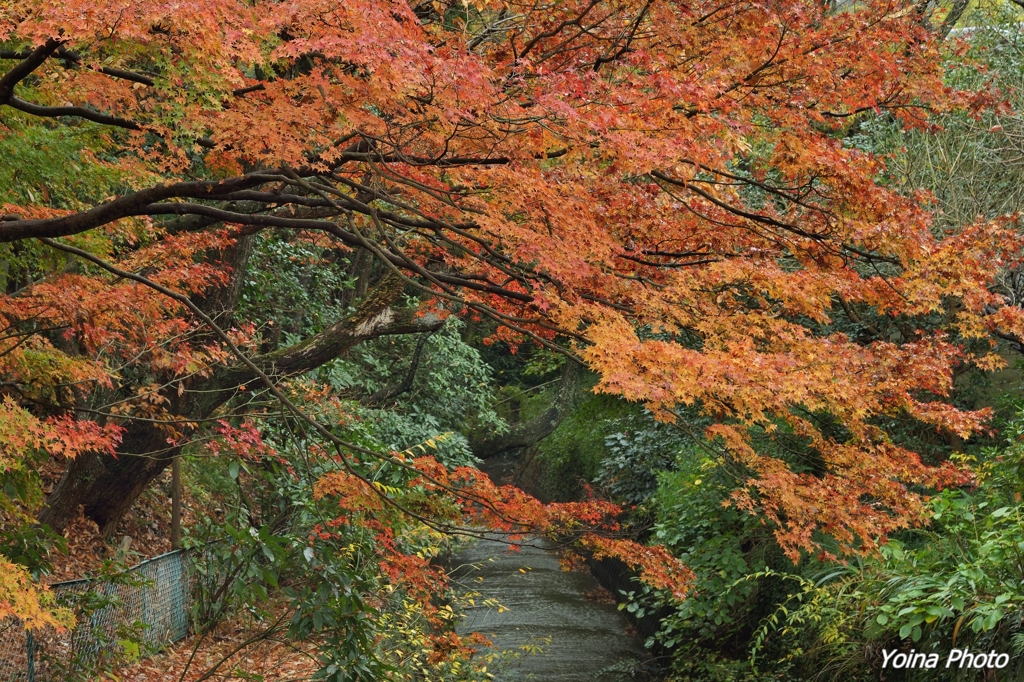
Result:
580,639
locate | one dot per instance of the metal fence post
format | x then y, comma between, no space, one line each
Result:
30,650
147,617
176,503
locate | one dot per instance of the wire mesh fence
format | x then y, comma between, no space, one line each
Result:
141,608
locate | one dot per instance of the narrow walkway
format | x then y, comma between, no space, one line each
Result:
579,639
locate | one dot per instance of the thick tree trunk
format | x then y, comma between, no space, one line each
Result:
107,486
220,304
528,433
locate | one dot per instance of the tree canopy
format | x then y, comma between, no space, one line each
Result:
655,189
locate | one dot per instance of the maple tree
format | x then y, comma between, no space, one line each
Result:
22,599
652,187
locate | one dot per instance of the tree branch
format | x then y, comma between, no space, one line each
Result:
80,112
526,434
373,318
75,58
22,70
395,390
123,207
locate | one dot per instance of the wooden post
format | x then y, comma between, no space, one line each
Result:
176,503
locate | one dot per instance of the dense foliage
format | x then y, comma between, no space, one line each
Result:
308,244
756,615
